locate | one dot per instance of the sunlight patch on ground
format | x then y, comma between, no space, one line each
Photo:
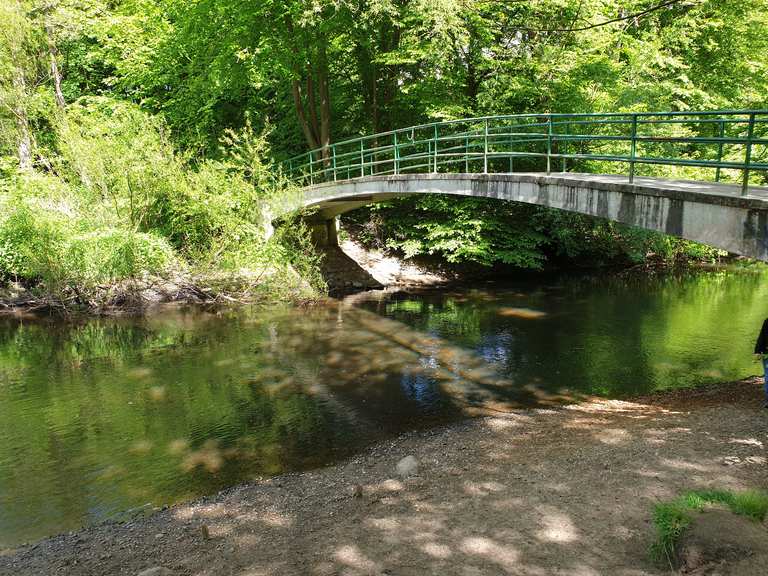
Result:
556,526
385,524
391,485
746,441
490,550
436,550
613,436
351,556
482,488
272,518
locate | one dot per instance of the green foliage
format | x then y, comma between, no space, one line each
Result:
31,244
487,231
48,243
175,112
129,206
121,156
672,518
113,254
459,229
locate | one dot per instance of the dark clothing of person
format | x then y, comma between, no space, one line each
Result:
761,346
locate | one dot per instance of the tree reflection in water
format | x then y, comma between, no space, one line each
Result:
106,415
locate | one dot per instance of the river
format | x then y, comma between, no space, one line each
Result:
108,418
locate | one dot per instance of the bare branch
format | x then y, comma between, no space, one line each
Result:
607,22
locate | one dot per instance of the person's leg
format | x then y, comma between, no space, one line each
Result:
765,378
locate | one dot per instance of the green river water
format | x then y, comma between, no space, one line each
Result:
106,418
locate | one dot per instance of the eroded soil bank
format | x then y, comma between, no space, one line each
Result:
534,492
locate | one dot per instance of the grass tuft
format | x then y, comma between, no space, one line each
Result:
672,518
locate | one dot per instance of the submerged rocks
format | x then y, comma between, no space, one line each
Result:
408,466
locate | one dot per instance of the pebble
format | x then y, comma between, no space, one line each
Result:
408,466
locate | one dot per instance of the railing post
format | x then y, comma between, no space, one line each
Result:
633,149
720,151
549,144
435,150
362,158
485,147
397,152
565,146
511,153
311,169
333,153
748,155
466,155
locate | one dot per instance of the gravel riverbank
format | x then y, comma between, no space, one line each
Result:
565,491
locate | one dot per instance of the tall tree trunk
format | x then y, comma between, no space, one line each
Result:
325,99
53,54
298,103
387,88
24,133
367,71
315,121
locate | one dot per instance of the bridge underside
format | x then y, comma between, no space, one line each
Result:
713,214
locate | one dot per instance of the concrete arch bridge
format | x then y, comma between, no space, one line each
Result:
698,175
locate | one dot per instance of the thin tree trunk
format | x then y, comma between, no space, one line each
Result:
312,105
22,122
325,100
299,106
55,72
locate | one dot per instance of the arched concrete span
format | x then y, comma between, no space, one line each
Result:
713,214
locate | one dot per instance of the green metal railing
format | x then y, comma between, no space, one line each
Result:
730,146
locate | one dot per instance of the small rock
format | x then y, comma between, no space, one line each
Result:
408,466
156,571
357,491
205,532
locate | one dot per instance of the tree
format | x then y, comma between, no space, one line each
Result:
18,75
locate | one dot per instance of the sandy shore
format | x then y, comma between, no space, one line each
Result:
567,491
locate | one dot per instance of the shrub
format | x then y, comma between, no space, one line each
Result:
31,243
113,254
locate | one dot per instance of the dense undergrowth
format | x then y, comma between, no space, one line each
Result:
118,203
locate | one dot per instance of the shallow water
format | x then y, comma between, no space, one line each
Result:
108,418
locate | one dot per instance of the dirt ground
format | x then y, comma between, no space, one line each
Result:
565,491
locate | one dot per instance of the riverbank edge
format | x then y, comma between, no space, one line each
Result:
477,420
360,270
142,296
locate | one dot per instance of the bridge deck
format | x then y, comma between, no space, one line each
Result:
661,184
712,213
335,198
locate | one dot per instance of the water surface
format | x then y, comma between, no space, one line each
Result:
105,418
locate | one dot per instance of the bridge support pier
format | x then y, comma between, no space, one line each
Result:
325,232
